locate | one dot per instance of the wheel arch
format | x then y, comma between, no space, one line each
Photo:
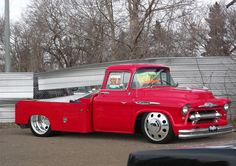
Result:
139,114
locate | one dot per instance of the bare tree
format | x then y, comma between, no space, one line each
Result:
162,41
231,29
142,14
1,43
217,45
64,33
192,33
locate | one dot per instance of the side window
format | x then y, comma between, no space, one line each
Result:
118,80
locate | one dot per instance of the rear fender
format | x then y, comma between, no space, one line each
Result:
25,109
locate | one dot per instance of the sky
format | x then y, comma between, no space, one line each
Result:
17,7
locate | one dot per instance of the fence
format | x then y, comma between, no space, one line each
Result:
216,73
13,87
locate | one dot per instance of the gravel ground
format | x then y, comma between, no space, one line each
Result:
8,125
18,147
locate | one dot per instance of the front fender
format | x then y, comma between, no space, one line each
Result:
148,110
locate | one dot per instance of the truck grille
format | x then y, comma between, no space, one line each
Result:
203,116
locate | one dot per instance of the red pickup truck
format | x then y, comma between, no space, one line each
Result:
132,97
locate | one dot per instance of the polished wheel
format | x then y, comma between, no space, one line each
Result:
156,127
40,125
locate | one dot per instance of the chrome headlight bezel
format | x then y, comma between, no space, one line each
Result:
226,107
185,109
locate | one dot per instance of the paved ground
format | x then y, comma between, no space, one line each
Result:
19,147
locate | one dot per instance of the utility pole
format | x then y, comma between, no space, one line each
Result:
231,3
7,38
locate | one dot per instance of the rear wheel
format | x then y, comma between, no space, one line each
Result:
157,128
40,126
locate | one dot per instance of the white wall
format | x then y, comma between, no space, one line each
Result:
13,87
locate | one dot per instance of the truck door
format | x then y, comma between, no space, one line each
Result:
113,106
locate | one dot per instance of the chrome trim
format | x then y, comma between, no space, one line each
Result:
147,103
205,88
154,103
208,105
204,132
197,116
156,126
105,93
188,88
40,124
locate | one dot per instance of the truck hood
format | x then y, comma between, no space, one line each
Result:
179,93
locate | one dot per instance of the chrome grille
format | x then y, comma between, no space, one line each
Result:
203,115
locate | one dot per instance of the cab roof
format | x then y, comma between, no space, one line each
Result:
135,66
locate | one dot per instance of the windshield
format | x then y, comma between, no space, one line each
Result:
152,77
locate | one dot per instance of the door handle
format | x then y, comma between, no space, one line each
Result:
123,102
105,93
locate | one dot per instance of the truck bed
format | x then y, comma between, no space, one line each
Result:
68,117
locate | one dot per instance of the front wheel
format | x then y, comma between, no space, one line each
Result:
157,128
40,126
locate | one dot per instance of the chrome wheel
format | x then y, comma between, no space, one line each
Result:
156,126
40,125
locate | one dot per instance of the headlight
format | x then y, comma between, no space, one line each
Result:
226,107
185,109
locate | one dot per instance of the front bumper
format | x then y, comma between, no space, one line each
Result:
204,132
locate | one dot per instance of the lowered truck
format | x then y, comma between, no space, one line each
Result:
133,97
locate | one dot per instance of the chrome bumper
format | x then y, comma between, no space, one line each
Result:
204,132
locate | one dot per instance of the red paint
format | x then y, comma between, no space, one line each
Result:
118,111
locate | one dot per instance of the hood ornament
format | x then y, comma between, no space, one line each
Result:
205,88
208,105
188,88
